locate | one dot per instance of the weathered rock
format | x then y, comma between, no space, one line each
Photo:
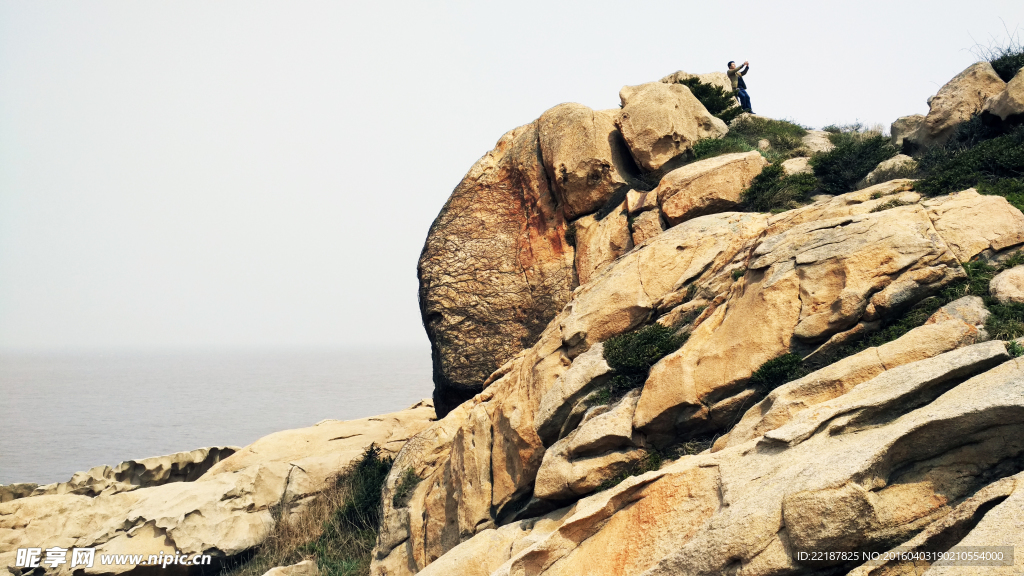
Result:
800,165
479,463
602,447
720,79
970,310
899,166
707,186
804,285
972,224
223,513
817,141
599,242
584,155
647,225
638,201
783,403
958,100
876,473
1008,286
942,535
553,414
132,474
304,568
661,121
1008,105
903,127
10,492
495,268
863,201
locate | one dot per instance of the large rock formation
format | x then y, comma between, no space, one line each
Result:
749,288
195,502
497,266
959,99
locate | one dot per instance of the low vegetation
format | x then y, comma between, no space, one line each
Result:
1007,58
631,356
338,528
406,484
785,139
718,101
773,191
855,153
651,460
994,165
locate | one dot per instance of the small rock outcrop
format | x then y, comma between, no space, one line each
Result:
661,121
903,127
1008,286
899,166
223,507
1008,105
959,99
707,186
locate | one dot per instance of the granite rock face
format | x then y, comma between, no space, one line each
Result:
537,438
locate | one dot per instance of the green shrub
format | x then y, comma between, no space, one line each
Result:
710,147
772,190
738,273
1015,349
652,460
1006,58
777,372
349,535
719,102
785,138
994,166
854,155
1006,321
1009,63
406,484
338,527
632,355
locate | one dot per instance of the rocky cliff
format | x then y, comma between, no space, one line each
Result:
833,382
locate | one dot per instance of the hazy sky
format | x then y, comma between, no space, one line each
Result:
241,174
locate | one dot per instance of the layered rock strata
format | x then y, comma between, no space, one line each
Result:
750,287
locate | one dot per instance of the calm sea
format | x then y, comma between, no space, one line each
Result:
63,412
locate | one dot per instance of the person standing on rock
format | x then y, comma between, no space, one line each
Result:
738,85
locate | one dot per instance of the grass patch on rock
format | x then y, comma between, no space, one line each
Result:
993,166
773,191
854,155
338,528
652,460
631,356
784,139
